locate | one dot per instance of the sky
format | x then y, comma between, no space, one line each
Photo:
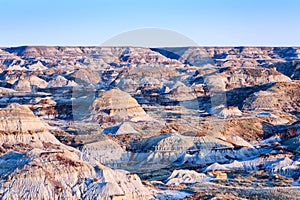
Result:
93,22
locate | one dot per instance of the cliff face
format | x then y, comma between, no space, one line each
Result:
35,165
60,175
21,129
229,112
19,118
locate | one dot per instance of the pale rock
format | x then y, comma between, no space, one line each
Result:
61,81
118,106
37,66
186,176
121,129
22,85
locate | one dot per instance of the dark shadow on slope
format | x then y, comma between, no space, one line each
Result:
220,56
236,96
177,53
5,85
289,68
12,160
288,53
19,51
295,113
172,53
269,130
111,130
285,131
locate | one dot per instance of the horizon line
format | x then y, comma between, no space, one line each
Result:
133,46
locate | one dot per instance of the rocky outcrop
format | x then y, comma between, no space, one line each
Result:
242,77
276,164
22,85
20,129
216,167
105,151
223,112
186,176
116,105
6,91
86,77
280,96
166,150
35,165
37,66
38,82
146,110
61,81
122,129
29,84
19,118
61,175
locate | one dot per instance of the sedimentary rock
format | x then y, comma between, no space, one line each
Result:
117,105
35,165
281,96
186,176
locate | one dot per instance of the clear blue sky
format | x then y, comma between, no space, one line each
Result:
208,22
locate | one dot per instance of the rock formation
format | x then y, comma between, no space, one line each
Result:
61,81
226,118
38,166
281,96
124,128
186,176
85,76
117,105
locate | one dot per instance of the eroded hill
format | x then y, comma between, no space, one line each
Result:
91,122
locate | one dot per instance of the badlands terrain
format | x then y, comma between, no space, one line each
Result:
149,123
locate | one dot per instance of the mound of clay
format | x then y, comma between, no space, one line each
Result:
22,85
62,175
186,176
86,76
116,105
124,128
19,126
105,151
227,112
35,165
19,118
61,81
